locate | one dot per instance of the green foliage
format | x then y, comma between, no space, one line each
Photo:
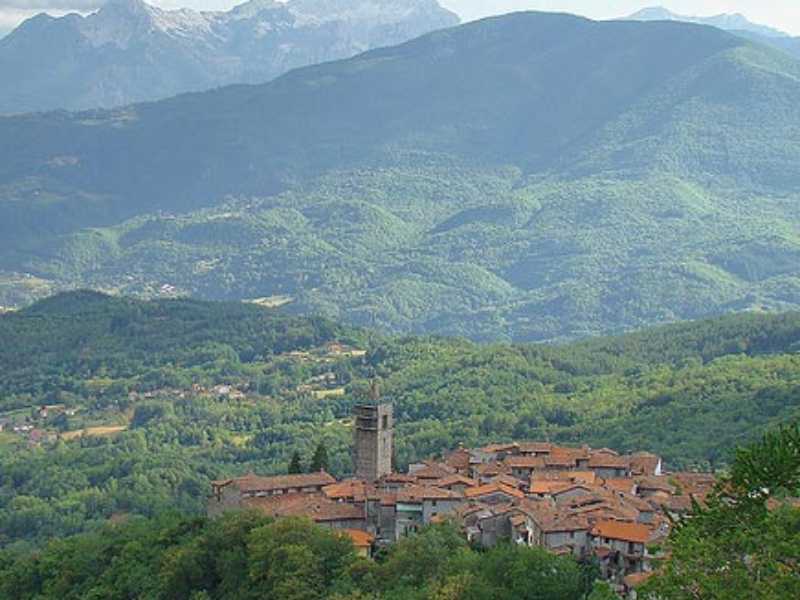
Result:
296,464
746,542
246,557
319,462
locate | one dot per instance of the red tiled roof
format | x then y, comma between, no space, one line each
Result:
636,579
622,484
419,493
602,551
397,478
494,448
458,459
544,487
433,471
607,461
452,480
508,480
525,462
360,539
644,463
535,447
492,468
351,488
618,530
493,488
655,483
313,506
254,483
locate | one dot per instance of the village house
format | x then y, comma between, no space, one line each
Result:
229,494
620,547
570,501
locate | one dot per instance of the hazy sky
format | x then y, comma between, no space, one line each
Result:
782,14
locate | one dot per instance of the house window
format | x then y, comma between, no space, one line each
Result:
385,422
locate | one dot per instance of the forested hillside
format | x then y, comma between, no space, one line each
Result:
528,177
114,406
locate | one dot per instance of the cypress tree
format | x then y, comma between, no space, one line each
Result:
296,464
319,462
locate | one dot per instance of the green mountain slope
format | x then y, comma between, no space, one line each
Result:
133,389
532,176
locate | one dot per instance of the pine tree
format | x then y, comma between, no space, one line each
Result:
296,465
319,462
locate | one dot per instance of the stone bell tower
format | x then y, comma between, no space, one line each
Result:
373,437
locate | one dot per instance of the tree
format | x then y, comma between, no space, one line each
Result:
296,464
319,462
746,542
602,591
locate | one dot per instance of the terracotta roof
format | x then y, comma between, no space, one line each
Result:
636,579
655,483
524,462
360,539
492,468
313,506
493,488
545,487
618,530
254,483
608,451
573,486
554,521
452,480
644,463
560,460
621,484
636,502
518,520
432,471
695,483
459,459
508,480
351,488
494,448
675,504
535,447
607,461
419,493
602,551
589,477
397,478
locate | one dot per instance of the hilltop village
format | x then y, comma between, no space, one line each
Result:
590,503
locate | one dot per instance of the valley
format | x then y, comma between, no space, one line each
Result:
184,392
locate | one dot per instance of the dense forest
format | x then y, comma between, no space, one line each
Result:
115,407
244,557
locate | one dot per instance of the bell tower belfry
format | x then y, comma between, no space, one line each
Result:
373,437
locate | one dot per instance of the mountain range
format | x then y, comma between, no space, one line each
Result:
528,177
736,23
129,51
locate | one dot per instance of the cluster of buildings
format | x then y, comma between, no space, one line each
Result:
589,503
